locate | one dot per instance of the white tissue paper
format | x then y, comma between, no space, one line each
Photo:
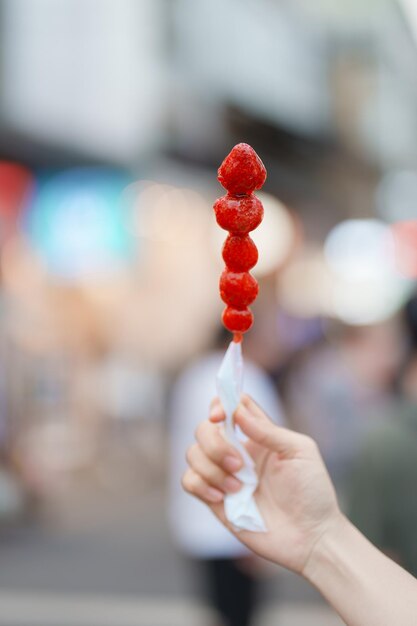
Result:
240,508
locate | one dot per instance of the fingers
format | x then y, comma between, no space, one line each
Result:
217,413
211,473
216,448
195,485
259,428
212,461
252,406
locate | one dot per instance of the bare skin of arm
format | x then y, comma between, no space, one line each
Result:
307,533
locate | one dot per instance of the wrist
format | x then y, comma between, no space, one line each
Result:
328,551
357,580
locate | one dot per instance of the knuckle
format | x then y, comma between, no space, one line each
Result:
309,442
200,431
217,449
267,437
191,482
264,438
190,454
314,443
216,475
185,482
209,440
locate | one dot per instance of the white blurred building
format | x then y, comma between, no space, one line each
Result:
118,79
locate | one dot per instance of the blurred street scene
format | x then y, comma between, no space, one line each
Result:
114,117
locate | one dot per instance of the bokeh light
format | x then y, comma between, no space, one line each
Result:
358,250
167,214
78,223
366,284
304,287
275,236
405,241
16,187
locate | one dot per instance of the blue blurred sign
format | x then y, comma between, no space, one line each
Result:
78,222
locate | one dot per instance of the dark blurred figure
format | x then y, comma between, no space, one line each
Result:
383,499
229,573
337,391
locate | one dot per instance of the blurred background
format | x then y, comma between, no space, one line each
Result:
114,116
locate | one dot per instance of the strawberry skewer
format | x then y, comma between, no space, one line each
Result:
239,212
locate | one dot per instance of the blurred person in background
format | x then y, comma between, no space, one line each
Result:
229,573
15,497
336,391
383,502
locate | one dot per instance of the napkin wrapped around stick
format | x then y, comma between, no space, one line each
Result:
240,508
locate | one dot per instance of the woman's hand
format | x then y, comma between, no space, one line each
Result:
306,531
295,494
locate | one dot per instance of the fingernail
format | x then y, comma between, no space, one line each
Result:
231,463
214,495
216,412
232,484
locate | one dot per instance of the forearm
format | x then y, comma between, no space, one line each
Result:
363,585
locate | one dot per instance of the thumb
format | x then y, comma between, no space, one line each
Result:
259,428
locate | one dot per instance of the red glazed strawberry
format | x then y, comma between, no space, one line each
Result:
238,214
242,171
237,320
238,289
240,253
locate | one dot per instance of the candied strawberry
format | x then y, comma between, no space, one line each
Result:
238,289
238,214
242,171
237,320
240,253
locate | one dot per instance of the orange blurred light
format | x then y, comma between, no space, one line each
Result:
304,286
167,214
